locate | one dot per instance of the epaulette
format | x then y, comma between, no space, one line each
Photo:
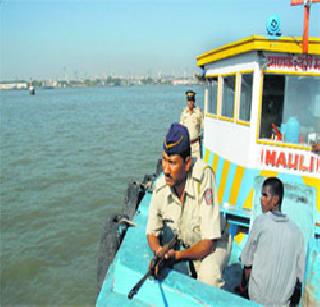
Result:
160,184
198,169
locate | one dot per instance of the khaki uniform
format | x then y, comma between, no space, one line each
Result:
194,122
196,220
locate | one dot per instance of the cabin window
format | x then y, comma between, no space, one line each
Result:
291,108
246,97
212,95
228,89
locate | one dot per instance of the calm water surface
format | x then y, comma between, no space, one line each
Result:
67,156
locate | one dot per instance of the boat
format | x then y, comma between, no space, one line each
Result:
31,89
261,119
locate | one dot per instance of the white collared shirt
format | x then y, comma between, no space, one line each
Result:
198,218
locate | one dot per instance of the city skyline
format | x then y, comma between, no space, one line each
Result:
94,39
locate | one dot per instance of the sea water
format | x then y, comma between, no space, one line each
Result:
67,156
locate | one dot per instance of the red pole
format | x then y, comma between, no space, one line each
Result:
306,28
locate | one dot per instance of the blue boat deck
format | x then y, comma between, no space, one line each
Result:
131,263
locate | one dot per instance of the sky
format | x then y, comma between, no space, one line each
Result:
58,39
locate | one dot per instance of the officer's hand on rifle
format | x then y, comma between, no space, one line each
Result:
163,252
163,258
170,254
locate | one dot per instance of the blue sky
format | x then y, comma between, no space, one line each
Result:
49,39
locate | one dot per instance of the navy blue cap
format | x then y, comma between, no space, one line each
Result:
190,94
177,140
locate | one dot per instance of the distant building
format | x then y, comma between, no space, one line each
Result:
184,81
13,86
49,84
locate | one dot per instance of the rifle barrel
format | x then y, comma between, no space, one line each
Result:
150,272
138,285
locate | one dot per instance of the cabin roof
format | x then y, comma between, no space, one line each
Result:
259,43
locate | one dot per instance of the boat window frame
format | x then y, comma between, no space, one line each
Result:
235,119
223,117
206,106
275,142
238,120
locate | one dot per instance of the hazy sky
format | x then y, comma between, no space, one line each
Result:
95,38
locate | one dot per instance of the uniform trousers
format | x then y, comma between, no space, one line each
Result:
195,150
209,269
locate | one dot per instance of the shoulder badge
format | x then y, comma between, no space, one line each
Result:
208,195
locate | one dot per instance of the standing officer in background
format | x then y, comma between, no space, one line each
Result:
192,118
184,204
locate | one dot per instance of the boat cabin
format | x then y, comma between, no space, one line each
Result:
261,118
262,112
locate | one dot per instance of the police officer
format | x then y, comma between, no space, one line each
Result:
184,204
192,118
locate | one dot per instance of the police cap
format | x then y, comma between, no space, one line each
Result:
190,95
177,141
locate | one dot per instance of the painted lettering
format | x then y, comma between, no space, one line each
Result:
293,163
311,165
281,161
301,164
301,62
270,157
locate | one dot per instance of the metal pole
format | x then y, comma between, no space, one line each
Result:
306,28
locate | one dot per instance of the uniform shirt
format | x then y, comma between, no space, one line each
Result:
193,121
198,218
275,249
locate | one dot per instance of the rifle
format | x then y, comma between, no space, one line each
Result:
155,266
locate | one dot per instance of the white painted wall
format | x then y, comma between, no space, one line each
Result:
232,141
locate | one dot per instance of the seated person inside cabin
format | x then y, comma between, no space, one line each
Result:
184,204
273,257
316,148
270,118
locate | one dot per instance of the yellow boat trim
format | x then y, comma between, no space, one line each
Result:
285,145
206,155
246,72
286,72
242,72
211,76
223,181
239,237
314,182
236,103
219,95
242,122
211,115
238,122
259,106
228,74
267,173
215,162
227,119
235,188
259,42
249,201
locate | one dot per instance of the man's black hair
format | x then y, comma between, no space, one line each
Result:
276,187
